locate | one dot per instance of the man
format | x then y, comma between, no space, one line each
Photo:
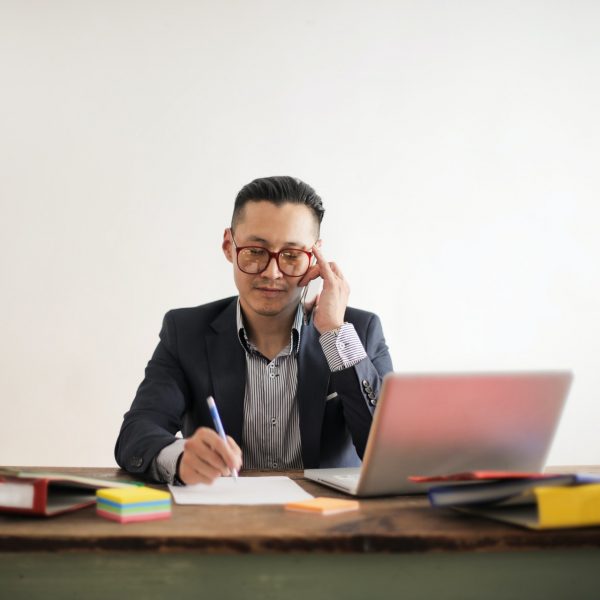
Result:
294,388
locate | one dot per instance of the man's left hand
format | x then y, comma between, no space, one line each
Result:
330,304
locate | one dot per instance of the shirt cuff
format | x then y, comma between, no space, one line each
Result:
342,347
165,463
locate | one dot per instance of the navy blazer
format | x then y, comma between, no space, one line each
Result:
200,355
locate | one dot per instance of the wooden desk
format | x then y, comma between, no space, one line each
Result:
392,547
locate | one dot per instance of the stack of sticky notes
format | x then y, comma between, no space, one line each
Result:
323,506
131,504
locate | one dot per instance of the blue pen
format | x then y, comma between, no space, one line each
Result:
214,413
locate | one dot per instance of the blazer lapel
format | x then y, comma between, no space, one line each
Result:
227,363
313,381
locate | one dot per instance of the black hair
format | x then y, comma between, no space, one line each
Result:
278,190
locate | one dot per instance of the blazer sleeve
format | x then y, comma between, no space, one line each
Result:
359,386
158,408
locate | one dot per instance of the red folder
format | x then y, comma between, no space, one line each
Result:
48,494
481,476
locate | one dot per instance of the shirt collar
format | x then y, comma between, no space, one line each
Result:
294,334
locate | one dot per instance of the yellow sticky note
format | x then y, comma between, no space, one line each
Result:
132,494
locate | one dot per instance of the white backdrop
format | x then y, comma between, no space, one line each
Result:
456,146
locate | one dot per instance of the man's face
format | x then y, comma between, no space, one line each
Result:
270,293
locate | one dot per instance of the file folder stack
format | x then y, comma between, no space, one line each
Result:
532,500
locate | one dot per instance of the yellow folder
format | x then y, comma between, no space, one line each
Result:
568,506
549,507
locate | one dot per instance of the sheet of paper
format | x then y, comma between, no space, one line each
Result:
246,490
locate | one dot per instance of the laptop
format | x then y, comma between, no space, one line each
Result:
448,423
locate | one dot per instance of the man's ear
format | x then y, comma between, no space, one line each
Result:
227,245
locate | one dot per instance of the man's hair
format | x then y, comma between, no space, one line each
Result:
278,190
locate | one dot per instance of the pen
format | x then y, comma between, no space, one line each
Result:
214,413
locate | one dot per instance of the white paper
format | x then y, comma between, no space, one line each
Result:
246,490
16,495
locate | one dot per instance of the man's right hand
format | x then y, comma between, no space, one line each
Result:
206,456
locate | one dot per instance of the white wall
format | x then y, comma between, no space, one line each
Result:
455,144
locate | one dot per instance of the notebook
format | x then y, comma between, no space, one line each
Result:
428,424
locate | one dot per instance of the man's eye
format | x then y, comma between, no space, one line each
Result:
255,251
291,255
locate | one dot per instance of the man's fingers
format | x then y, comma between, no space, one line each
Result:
329,312
193,470
237,452
206,456
334,267
313,272
230,456
205,468
325,269
203,459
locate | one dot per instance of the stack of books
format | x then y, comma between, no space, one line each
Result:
532,500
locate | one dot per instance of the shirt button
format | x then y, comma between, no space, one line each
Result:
274,465
272,375
273,422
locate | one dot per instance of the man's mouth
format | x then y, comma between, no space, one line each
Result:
269,291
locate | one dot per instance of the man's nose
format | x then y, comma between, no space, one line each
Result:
272,269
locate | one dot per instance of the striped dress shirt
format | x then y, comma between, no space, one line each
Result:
271,432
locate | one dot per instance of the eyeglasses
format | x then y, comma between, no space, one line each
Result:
253,260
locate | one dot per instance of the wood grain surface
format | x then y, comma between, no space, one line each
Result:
395,524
